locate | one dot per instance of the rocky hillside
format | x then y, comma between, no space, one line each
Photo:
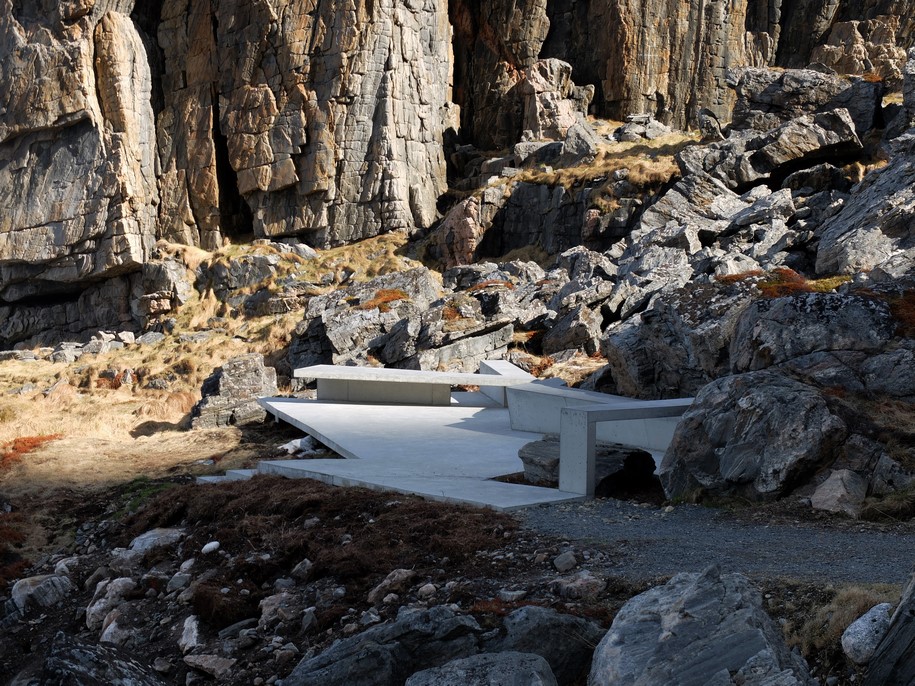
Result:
122,124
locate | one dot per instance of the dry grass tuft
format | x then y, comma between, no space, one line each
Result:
823,629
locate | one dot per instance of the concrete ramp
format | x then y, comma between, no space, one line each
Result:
442,453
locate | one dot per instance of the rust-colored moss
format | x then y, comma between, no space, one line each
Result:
483,285
382,300
12,452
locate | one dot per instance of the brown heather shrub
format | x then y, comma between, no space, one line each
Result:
382,300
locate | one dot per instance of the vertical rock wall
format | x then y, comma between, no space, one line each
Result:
327,118
77,148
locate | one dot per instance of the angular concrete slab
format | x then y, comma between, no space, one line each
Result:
443,453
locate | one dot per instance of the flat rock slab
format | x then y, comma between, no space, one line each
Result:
443,453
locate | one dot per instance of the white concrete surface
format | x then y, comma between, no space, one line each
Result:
404,386
538,407
444,453
578,434
504,369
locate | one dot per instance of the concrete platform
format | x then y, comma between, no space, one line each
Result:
443,453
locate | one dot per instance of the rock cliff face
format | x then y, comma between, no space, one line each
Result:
122,123
326,119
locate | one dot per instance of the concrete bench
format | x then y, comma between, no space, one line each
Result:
578,433
409,386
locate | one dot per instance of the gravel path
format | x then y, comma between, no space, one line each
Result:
648,542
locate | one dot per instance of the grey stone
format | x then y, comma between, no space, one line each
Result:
156,538
565,561
230,394
108,596
580,328
775,331
494,669
391,652
843,491
747,159
214,665
696,629
566,642
70,661
150,338
878,221
44,591
767,98
861,638
753,435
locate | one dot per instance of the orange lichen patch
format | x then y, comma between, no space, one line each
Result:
872,77
12,452
737,278
783,282
489,283
382,300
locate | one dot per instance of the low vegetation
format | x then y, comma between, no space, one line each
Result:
782,282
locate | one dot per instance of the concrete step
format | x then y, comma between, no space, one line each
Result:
240,474
215,479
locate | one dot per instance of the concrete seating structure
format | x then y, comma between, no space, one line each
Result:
408,386
404,430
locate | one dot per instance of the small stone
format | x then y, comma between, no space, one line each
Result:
565,561
391,598
190,635
210,547
507,596
427,591
161,665
302,570
213,665
178,582
861,638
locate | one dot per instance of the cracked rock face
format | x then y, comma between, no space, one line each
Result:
327,121
77,139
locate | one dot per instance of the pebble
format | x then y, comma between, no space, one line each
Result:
210,547
427,591
565,561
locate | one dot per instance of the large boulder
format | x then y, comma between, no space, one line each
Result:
566,642
71,661
678,345
756,435
230,393
767,98
877,224
391,652
774,331
521,669
696,630
748,158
